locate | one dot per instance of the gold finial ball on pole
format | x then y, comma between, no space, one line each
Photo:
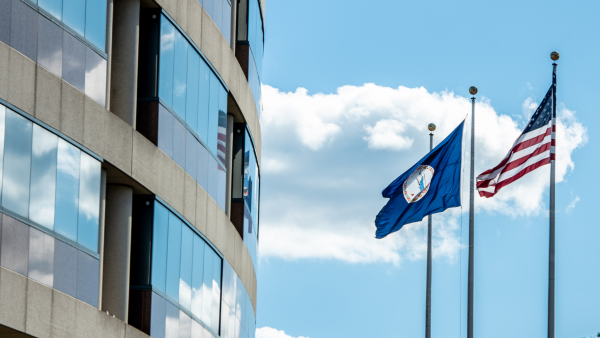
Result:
431,127
554,55
473,90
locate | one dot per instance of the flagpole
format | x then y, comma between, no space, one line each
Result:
554,56
472,91
431,128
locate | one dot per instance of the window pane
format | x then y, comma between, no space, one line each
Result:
179,133
87,278
5,14
17,164
221,186
213,117
15,245
2,121
197,330
166,60
95,76
159,246
226,21
43,177
173,257
165,130
50,45
185,325
202,177
74,15
212,177
158,316
217,14
204,100
208,6
180,75
89,202
95,23
23,34
185,274
65,268
172,325
54,7
193,81
207,285
41,257
73,67
197,276
222,126
191,155
216,289
67,190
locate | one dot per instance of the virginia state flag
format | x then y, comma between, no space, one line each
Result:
432,185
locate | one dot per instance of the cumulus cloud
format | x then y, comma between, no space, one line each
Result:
326,159
268,332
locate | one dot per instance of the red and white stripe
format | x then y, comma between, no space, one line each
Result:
529,152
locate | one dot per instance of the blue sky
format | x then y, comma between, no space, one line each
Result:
348,90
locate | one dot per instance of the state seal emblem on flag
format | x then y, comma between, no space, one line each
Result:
417,184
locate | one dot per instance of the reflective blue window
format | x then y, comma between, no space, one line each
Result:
159,246
67,190
202,177
54,7
207,301
2,125
74,15
185,275
95,22
173,257
216,292
180,75
251,198
204,100
237,313
95,76
222,127
213,113
198,276
193,82
191,155
179,133
167,59
43,177
50,45
17,164
89,202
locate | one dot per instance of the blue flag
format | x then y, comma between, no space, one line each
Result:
432,185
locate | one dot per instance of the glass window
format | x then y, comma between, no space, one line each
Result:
5,14
2,122
158,317
198,276
172,324
226,20
173,257
23,33
41,257
216,290
204,101
208,6
213,114
217,14
43,177
54,7
159,246
221,186
193,82
207,302
74,15
73,67
185,325
198,330
87,278
167,59
165,130
213,179
95,22
89,202
222,127
65,268
15,245
17,164
50,45
191,155
67,190
202,177
179,134
95,76
185,275
180,75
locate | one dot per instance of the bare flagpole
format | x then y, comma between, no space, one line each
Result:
473,91
431,128
554,56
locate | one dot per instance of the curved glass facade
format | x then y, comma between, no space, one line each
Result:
50,199
54,46
251,198
220,12
237,314
251,32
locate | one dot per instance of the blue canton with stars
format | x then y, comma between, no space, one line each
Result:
543,114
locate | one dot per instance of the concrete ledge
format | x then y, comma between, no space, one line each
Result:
40,311
102,132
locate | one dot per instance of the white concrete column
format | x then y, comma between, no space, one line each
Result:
117,250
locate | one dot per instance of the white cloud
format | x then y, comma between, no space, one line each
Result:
268,332
326,159
571,205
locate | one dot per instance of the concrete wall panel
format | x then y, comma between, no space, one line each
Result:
189,200
21,77
13,293
39,310
47,97
4,66
72,107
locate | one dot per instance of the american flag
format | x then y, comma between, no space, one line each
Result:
533,149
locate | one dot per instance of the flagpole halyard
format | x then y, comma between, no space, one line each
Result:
472,91
551,266
431,128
